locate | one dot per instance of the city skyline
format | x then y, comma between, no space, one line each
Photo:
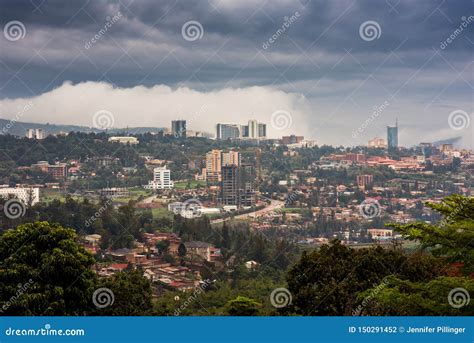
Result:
310,62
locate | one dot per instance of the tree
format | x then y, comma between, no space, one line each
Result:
242,306
132,294
52,271
182,252
450,241
327,281
453,238
162,247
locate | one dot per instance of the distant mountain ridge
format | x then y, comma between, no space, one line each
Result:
17,128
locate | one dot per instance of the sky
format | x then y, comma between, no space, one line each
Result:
337,71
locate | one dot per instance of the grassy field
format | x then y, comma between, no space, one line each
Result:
189,184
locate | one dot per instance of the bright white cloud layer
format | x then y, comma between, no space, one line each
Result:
76,104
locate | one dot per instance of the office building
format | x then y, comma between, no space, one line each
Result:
392,137
365,181
178,128
35,133
213,166
231,158
292,139
262,130
377,143
27,195
227,131
161,179
247,195
253,130
230,185
57,171
237,187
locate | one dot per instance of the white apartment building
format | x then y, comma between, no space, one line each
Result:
26,195
161,179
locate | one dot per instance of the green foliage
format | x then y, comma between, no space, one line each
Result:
242,306
132,294
327,281
405,298
454,237
59,269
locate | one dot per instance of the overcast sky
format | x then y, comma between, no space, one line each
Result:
303,67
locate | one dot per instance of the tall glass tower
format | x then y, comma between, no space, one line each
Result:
392,136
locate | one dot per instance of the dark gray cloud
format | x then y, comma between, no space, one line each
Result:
320,55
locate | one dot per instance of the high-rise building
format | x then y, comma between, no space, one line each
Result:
39,133
237,186
392,137
161,179
247,196
262,130
35,133
230,185
213,166
227,131
253,128
178,128
231,158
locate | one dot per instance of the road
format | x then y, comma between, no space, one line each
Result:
274,205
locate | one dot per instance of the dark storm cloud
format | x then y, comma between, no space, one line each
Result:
320,55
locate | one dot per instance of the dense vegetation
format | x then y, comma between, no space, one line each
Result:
55,277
